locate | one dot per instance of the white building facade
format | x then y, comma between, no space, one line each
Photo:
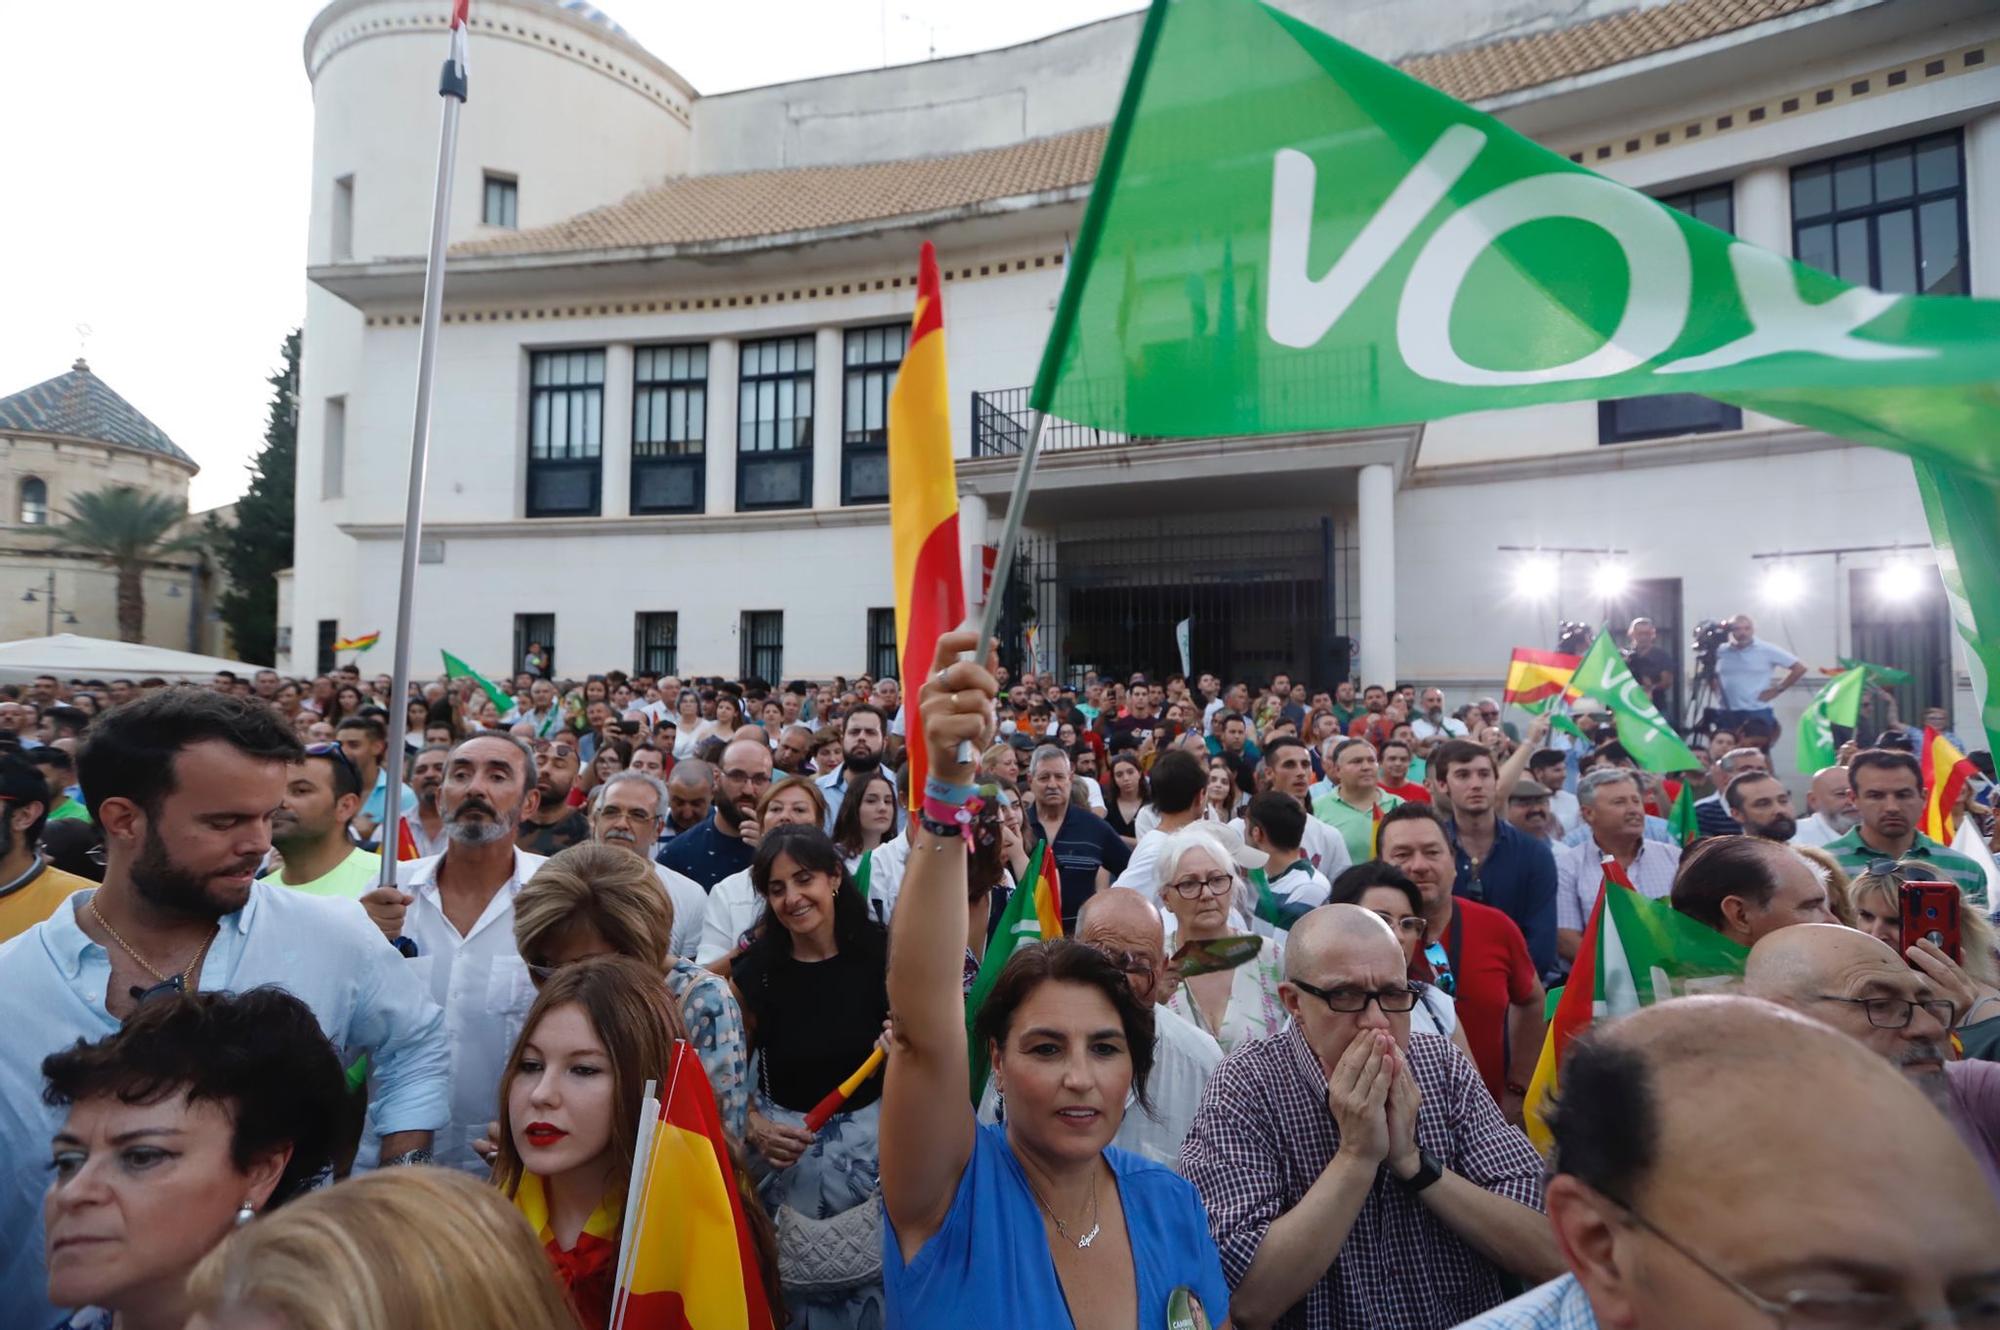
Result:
671,322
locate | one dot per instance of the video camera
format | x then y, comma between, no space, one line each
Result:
1573,638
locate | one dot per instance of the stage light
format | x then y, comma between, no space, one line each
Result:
1900,580
1535,577
1610,581
1783,585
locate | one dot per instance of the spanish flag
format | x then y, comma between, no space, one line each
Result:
361,643
687,1261
1946,771
1534,677
923,509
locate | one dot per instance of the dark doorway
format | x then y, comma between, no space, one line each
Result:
1658,599
531,628
1902,622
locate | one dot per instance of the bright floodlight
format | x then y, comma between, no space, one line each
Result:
1611,580
1783,585
1899,580
1535,577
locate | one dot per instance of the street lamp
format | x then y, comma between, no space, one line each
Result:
31,598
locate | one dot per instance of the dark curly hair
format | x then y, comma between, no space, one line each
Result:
1063,961
260,1055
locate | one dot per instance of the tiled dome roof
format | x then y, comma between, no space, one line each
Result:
82,406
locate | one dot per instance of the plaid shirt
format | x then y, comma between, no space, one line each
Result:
1560,1304
1262,1137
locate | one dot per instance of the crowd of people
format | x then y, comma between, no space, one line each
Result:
1274,1072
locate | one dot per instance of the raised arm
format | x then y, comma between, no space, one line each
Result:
927,1122
1516,765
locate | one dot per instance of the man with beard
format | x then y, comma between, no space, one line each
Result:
457,910
182,782
309,829
553,825
30,888
427,778
1830,811
1762,806
1860,986
715,848
628,814
862,736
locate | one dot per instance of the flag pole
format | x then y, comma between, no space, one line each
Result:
451,88
1003,560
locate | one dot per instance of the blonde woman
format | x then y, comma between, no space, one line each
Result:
1972,983
402,1247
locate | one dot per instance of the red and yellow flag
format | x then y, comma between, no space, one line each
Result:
406,842
361,643
1534,677
923,509
692,1262
1575,1009
1946,772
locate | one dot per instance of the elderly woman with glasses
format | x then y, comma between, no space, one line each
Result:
1382,890
1232,991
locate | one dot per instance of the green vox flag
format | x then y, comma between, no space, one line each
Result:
1837,704
1881,674
1681,820
1286,235
454,668
1641,728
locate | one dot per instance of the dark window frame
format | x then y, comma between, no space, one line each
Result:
499,188
582,405
656,642
662,382
32,511
1676,415
1873,212
880,652
528,629
870,359
761,648
755,458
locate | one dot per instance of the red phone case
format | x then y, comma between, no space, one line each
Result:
1930,910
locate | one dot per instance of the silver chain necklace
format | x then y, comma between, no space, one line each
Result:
1062,1228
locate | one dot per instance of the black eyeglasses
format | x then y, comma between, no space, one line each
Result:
1215,884
1901,871
1894,1013
336,753
1352,1001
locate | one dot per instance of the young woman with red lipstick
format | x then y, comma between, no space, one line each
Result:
1036,1222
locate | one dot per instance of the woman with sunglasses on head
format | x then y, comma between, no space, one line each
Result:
1382,890
1972,981
1201,888
1036,1222
201,1113
735,905
812,984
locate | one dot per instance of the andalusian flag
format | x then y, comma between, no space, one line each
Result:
923,510
361,643
1286,236
1839,703
1033,914
1946,773
1635,951
1535,679
1641,728
1681,819
454,668
687,1260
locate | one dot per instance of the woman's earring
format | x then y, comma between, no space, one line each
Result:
244,1214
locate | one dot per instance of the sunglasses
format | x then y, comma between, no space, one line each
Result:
334,752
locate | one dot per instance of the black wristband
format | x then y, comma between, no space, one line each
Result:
1429,1170
948,830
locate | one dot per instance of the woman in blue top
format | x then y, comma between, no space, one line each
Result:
1035,1222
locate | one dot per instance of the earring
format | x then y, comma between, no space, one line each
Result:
244,1214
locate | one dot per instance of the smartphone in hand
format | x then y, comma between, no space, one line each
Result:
1930,912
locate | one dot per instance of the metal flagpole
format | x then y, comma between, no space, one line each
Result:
1003,560
451,87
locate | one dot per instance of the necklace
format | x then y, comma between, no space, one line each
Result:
1062,1228
179,981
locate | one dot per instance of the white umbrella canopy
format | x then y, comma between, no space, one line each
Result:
68,656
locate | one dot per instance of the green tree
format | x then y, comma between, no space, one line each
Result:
258,545
130,530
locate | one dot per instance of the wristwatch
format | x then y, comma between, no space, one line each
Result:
1429,1170
417,1156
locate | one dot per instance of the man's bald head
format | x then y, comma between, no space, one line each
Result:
1121,914
692,775
1326,938
1789,965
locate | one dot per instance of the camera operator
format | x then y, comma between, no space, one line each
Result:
1743,668
1650,664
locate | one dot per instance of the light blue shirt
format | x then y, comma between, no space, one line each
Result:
1743,672
323,951
834,786
372,806
1656,829
1560,1304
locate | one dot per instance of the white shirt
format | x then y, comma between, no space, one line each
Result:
1580,874
1565,809
1322,844
1093,792
1451,727
690,904
885,876
1814,830
1301,886
482,984
1435,1013
733,908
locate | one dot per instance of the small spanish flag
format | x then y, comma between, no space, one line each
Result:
1535,678
406,842
361,643
1946,772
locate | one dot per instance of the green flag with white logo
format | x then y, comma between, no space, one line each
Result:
1839,703
1287,235
1641,728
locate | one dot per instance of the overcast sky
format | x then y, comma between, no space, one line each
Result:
156,159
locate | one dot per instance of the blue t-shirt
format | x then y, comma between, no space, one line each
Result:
1743,672
990,1264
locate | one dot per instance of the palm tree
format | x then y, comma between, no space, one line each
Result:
128,529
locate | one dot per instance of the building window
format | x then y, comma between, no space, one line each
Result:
323,656
333,450
881,655
1667,415
873,355
502,191
763,655
655,642
532,631
34,501
774,424
1892,218
343,218
669,428
565,432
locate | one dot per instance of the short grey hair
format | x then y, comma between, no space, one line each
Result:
1730,760
1198,836
527,752
1587,788
1048,753
692,771
651,782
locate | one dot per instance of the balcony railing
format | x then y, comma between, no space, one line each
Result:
1000,427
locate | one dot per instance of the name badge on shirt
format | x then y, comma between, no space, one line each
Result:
1184,1310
